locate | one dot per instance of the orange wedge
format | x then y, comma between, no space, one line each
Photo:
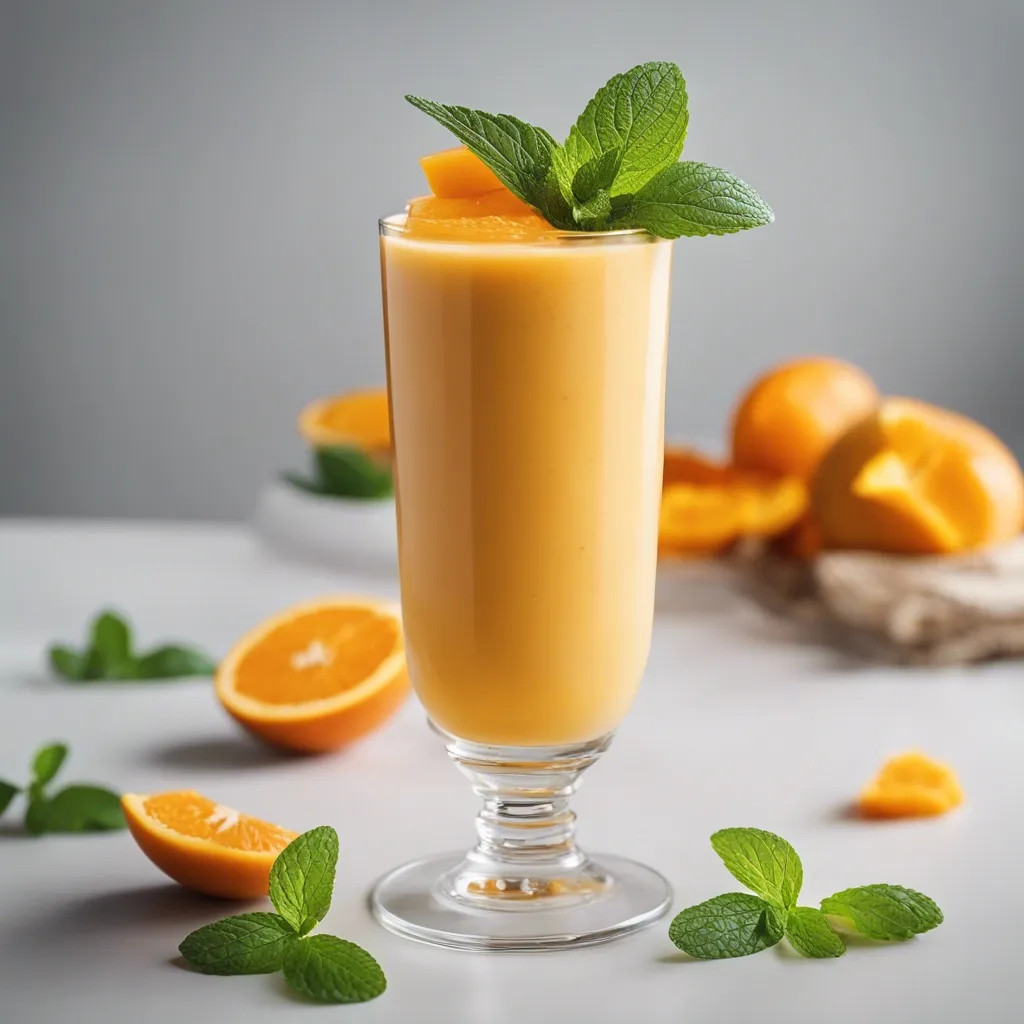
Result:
204,845
318,675
911,785
358,420
458,174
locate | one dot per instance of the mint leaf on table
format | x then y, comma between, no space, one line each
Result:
696,199
245,944
887,912
763,862
520,154
110,657
175,662
321,967
302,878
8,791
642,113
734,924
811,935
47,762
82,808
332,970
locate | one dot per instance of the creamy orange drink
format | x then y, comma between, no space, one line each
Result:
526,320
527,379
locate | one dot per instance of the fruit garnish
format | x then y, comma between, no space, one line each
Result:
911,785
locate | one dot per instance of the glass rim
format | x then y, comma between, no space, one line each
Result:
395,225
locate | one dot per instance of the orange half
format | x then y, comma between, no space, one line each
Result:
204,845
359,419
318,675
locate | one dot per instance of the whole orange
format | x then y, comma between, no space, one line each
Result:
791,416
915,479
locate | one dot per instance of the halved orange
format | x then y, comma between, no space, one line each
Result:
204,845
319,674
359,419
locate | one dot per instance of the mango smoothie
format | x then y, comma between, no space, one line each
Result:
526,376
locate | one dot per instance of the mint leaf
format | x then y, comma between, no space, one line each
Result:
112,643
641,112
882,911
47,762
302,878
79,808
735,924
810,934
595,175
246,944
174,662
519,153
697,199
332,970
593,214
8,791
36,811
68,663
763,862
351,473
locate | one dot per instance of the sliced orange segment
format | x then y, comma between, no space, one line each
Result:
457,174
359,419
911,785
204,845
318,675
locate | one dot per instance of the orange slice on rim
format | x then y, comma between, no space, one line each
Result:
204,845
318,675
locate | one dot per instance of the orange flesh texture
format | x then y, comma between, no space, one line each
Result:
298,662
458,174
916,479
361,417
911,785
494,216
191,814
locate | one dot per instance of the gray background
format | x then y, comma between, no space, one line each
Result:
189,189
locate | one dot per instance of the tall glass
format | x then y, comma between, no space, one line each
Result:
527,388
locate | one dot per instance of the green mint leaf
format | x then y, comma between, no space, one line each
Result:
36,811
81,808
8,791
763,862
596,175
884,911
345,472
735,924
810,934
520,154
174,662
302,878
697,199
112,641
47,762
245,944
67,663
641,112
332,970
594,213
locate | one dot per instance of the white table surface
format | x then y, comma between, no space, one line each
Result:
736,724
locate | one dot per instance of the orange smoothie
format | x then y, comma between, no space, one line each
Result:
527,384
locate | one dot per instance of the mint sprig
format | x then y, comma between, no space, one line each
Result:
110,656
738,924
345,472
321,967
75,808
617,168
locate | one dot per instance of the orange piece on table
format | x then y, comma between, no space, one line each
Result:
791,416
912,478
318,675
359,419
493,216
911,785
707,505
204,845
458,174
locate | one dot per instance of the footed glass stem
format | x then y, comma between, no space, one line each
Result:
526,884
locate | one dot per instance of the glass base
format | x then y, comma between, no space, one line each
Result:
526,884
608,898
